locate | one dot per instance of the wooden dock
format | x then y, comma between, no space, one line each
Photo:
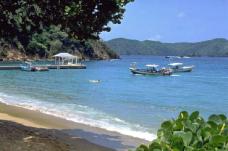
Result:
79,66
10,67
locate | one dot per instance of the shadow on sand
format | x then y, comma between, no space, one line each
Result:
102,139
17,137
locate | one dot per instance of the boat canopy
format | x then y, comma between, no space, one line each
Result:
176,64
152,65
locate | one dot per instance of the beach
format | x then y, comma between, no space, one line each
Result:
23,129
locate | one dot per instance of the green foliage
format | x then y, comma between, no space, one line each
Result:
40,26
3,48
83,19
48,42
216,47
3,53
191,133
52,40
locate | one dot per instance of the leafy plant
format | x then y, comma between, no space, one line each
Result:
191,133
82,19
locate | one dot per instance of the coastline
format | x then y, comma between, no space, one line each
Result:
98,136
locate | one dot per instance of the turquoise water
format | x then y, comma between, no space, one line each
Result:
129,104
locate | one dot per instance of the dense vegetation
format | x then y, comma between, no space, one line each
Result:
52,40
22,22
215,47
191,133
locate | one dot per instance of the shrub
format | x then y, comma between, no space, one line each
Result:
191,133
3,53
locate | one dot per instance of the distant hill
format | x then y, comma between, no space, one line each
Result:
216,47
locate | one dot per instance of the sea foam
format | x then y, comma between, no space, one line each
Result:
81,114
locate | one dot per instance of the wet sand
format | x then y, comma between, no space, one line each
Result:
36,126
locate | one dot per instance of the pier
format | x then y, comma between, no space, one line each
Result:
10,67
62,61
75,66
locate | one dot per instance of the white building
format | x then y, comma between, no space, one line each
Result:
65,59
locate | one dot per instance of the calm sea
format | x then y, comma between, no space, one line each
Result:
129,104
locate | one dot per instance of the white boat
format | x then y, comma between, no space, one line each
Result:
172,57
179,67
27,66
150,70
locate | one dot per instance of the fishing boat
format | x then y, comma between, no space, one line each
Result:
172,57
179,67
151,69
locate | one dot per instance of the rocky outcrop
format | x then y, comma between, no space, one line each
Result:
92,50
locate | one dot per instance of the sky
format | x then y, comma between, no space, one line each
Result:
172,21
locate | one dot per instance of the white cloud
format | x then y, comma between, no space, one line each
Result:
156,37
181,15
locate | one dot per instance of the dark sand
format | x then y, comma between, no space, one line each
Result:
16,137
55,134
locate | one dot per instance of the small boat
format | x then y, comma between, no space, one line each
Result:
185,57
27,66
41,68
178,67
94,81
150,70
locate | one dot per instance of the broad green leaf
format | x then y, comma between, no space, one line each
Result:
154,146
177,143
218,140
225,131
191,126
222,117
215,118
167,125
213,127
186,136
206,133
142,148
183,115
194,116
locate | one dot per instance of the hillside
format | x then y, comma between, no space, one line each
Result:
51,41
93,50
216,47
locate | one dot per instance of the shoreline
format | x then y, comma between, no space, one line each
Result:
94,135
